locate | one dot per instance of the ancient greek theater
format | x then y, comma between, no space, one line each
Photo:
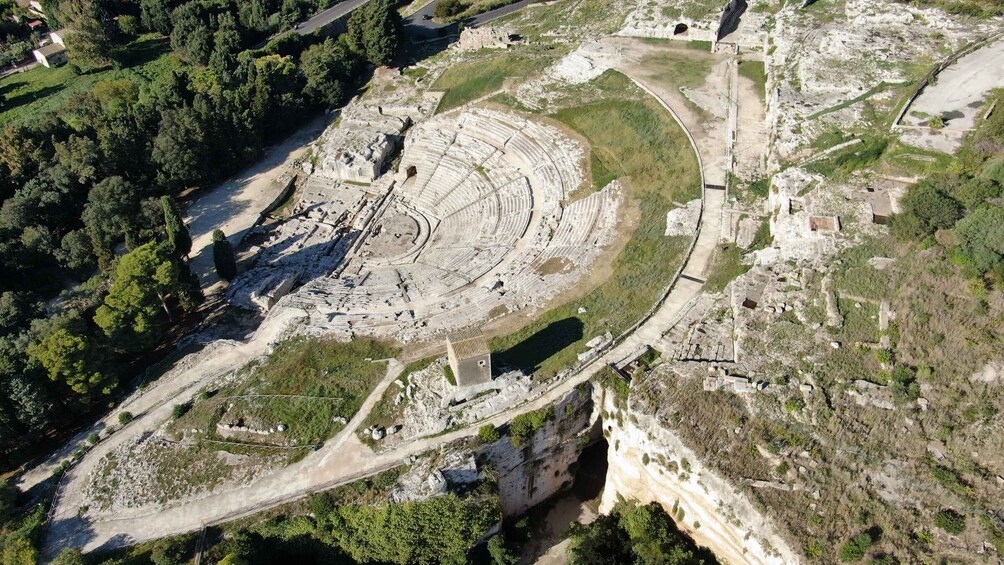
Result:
488,213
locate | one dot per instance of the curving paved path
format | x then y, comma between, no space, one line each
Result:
345,459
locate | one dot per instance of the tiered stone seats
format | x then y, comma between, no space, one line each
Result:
489,187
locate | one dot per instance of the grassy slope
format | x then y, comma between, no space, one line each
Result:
324,370
469,81
40,90
633,138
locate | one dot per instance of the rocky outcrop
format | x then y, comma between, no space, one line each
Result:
648,462
545,464
474,38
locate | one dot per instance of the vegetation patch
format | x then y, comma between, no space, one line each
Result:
29,94
726,265
303,386
756,72
634,136
472,80
523,426
635,534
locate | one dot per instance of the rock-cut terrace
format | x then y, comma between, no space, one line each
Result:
474,224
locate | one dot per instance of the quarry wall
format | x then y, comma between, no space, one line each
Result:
648,462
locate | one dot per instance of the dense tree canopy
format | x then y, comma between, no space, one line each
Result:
439,530
373,31
634,534
136,303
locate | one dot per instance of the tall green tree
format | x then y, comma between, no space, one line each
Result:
91,37
253,14
71,357
328,68
373,31
223,256
155,15
179,149
177,232
191,36
226,46
136,303
109,216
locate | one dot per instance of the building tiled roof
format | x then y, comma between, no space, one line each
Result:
469,343
51,49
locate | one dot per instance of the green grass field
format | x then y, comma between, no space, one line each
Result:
680,68
756,72
331,379
470,81
634,139
39,90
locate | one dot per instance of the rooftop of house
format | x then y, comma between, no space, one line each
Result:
51,49
469,343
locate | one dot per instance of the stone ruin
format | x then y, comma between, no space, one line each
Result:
719,378
473,223
474,38
799,222
368,133
357,151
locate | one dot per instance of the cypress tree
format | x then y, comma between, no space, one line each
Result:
223,256
177,233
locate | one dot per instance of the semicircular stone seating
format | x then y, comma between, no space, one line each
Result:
491,188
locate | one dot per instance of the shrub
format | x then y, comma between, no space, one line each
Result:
180,410
125,417
856,547
500,552
883,356
794,405
524,425
488,433
950,521
93,439
446,9
924,536
926,208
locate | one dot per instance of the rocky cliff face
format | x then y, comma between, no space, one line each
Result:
648,462
545,464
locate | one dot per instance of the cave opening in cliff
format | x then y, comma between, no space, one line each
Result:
591,471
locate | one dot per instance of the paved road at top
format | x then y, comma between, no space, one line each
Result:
421,24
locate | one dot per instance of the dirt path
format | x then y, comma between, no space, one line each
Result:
236,205
346,459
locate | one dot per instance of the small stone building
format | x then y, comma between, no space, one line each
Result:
469,357
51,55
